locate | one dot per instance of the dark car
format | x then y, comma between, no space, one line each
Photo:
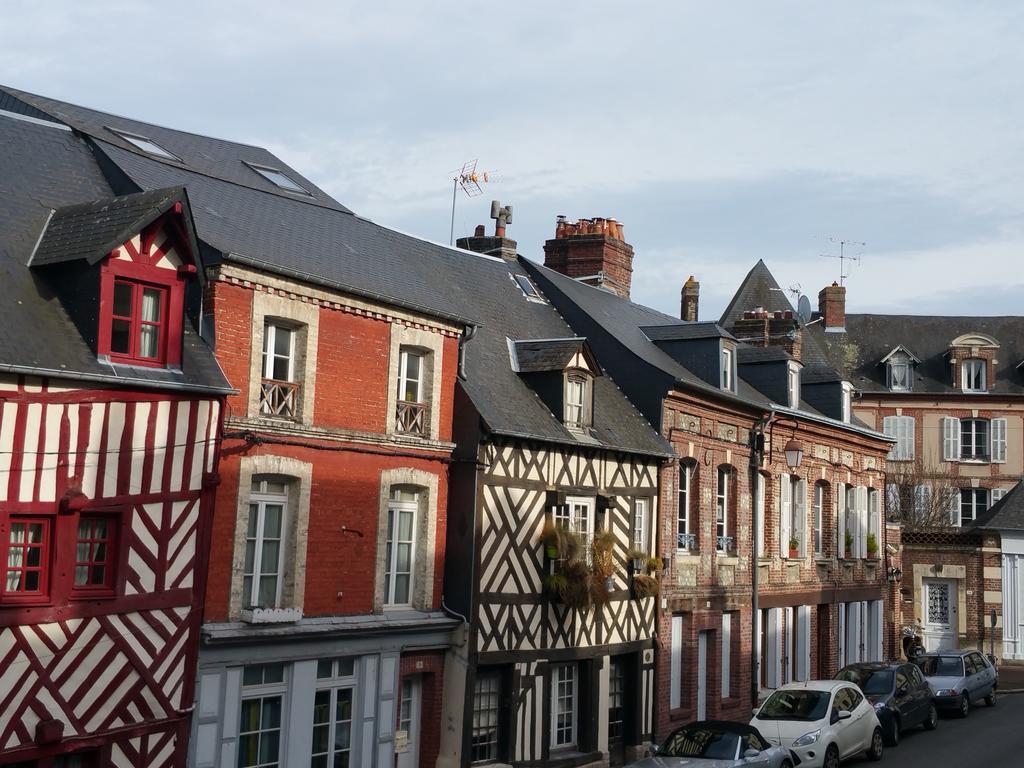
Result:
901,696
960,678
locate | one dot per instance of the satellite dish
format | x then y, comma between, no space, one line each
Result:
803,309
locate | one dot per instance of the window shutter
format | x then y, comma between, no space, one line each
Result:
726,652
954,506
800,512
787,623
875,516
890,426
950,438
785,513
840,496
998,441
676,663
909,427
842,635
861,543
762,481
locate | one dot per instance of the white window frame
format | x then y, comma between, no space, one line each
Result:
847,402
564,688
578,518
793,385
903,428
333,686
397,507
727,373
969,429
487,693
980,501
260,692
640,524
684,501
722,477
971,369
819,518
900,362
270,331
403,373
261,499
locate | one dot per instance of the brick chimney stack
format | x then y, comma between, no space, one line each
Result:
496,245
760,328
592,251
832,307
689,300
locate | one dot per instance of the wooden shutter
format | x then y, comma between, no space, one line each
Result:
787,622
950,438
840,496
802,667
954,507
774,653
907,428
998,432
842,635
861,535
762,481
890,427
785,515
875,516
800,513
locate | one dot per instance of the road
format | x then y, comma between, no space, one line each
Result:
988,737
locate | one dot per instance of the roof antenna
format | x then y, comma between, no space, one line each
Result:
469,179
843,257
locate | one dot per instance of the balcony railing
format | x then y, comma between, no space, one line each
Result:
411,418
725,543
279,398
686,541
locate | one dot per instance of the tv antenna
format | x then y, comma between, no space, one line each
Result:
843,257
469,179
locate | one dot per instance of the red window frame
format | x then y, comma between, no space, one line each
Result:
108,562
136,323
42,594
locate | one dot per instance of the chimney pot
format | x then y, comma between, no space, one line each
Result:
832,307
479,231
591,248
689,304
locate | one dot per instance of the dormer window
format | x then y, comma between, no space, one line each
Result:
138,324
899,374
847,401
577,400
728,369
972,375
793,385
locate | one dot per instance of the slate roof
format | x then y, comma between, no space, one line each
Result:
218,158
536,355
92,230
683,331
870,338
45,167
1006,514
749,355
322,242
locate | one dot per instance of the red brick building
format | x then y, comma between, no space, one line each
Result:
817,524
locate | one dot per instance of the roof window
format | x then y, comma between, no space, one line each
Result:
279,179
148,146
528,288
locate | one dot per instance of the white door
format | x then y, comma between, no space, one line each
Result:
702,674
939,613
407,736
1013,606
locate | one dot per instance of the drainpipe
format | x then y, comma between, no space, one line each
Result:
467,335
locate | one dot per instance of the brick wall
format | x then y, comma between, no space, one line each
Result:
429,667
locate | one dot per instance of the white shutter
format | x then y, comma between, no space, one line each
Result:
772,655
762,481
790,634
840,496
676,664
890,426
998,441
876,630
875,516
909,427
954,506
757,648
861,535
853,631
803,643
726,652
785,514
800,509
950,438
842,635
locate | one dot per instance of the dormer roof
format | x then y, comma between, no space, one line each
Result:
546,355
684,331
974,339
899,349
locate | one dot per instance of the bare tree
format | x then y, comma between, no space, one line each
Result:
919,496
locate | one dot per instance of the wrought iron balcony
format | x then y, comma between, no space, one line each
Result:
279,398
686,541
411,418
725,543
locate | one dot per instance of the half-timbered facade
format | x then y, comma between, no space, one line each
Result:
546,443
110,422
730,404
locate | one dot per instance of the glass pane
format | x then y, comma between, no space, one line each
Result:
254,511
81,575
271,712
283,342
251,708
273,673
268,561
99,552
35,533
346,668
250,556
268,747
151,305
17,533
148,340
404,557
280,369
99,575
34,557
268,591
247,591
248,746
272,520
344,704
32,581
324,669
412,366
342,735
120,337
401,589
405,526
82,551
122,299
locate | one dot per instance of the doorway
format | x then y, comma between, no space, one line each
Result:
703,640
407,736
939,613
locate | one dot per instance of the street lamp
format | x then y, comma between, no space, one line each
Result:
794,453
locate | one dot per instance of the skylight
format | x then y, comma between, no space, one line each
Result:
148,146
527,287
279,178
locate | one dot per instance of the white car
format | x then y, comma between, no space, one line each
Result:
822,721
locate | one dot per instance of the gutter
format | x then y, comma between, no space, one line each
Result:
29,370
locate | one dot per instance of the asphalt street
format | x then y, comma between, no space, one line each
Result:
991,737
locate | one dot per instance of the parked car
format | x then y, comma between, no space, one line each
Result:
821,722
959,678
717,744
899,693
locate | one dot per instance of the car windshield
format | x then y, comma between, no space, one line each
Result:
709,743
795,705
871,681
942,666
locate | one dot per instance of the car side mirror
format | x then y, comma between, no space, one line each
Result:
750,752
845,715
834,717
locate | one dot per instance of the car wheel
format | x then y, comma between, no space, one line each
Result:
932,720
786,764
875,752
892,738
990,700
965,706
831,757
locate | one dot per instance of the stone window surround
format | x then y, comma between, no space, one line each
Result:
433,345
293,567
266,307
426,532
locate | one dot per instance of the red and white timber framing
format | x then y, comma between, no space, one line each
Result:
114,674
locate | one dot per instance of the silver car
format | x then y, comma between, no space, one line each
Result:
717,744
959,678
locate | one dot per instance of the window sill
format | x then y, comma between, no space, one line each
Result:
726,559
26,602
687,554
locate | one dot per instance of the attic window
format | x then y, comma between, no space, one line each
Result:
899,371
578,400
793,385
148,146
528,288
279,178
728,369
973,375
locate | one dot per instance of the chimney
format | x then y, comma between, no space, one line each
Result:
832,307
689,301
593,252
496,245
760,328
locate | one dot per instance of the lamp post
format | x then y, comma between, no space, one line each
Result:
794,452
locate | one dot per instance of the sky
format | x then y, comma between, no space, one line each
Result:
718,132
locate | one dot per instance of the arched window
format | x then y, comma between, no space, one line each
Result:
400,549
687,526
724,522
